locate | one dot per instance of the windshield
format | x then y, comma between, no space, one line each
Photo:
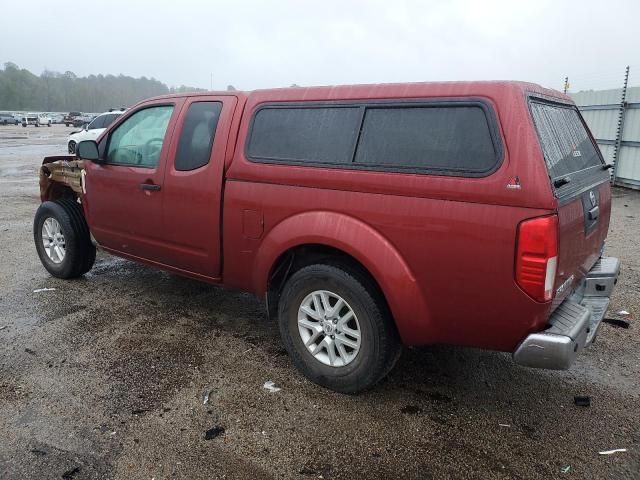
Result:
564,139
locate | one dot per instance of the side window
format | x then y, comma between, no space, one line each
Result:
196,138
97,123
109,119
138,140
308,134
438,138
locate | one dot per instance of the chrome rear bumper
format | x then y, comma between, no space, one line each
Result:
574,324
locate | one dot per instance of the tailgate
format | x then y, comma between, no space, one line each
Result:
580,181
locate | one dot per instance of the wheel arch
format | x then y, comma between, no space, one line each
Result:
312,236
59,178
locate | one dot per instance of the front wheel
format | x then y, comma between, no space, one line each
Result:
336,328
62,239
72,147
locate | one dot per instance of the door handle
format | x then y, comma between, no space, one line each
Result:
150,186
594,213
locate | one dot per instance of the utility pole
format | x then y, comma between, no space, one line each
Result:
620,129
566,84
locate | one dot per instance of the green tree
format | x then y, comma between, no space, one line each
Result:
63,92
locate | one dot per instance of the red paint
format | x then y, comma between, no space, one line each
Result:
443,249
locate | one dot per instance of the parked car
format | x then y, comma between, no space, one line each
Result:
57,118
70,118
36,119
92,130
44,120
30,119
470,213
8,119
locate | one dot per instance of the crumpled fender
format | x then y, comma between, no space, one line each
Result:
363,243
59,173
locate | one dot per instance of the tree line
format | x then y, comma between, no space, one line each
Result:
22,90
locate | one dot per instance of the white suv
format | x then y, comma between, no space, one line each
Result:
93,129
36,119
44,119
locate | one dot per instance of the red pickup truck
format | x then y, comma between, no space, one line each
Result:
367,217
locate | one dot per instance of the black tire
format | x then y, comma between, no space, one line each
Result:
66,124
80,252
49,124
380,345
71,147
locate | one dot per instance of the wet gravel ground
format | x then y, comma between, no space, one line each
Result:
105,377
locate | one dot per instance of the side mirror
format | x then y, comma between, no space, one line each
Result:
86,126
88,150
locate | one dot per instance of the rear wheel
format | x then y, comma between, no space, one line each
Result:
336,328
62,239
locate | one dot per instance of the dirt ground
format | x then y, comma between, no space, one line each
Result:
105,377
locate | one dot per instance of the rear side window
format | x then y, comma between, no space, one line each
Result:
438,138
454,137
196,138
310,135
564,139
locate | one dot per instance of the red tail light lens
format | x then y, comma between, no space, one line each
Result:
537,257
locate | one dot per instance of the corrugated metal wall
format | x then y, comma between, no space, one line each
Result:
601,110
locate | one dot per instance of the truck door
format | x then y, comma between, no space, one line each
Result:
124,193
193,184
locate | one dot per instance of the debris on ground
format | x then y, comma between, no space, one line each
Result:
582,400
213,432
611,452
617,322
38,290
269,385
506,425
29,351
623,312
3,327
566,469
205,397
69,474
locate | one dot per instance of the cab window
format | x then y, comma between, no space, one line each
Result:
196,138
138,140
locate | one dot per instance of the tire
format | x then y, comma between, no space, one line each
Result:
66,124
49,124
71,147
379,346
79,253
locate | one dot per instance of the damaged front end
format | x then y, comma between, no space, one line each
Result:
58,175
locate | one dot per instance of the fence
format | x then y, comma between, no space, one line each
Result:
614,119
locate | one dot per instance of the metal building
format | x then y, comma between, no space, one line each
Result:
614,119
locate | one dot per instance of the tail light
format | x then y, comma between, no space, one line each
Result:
537,257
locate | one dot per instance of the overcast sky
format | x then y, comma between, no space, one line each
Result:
257,44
